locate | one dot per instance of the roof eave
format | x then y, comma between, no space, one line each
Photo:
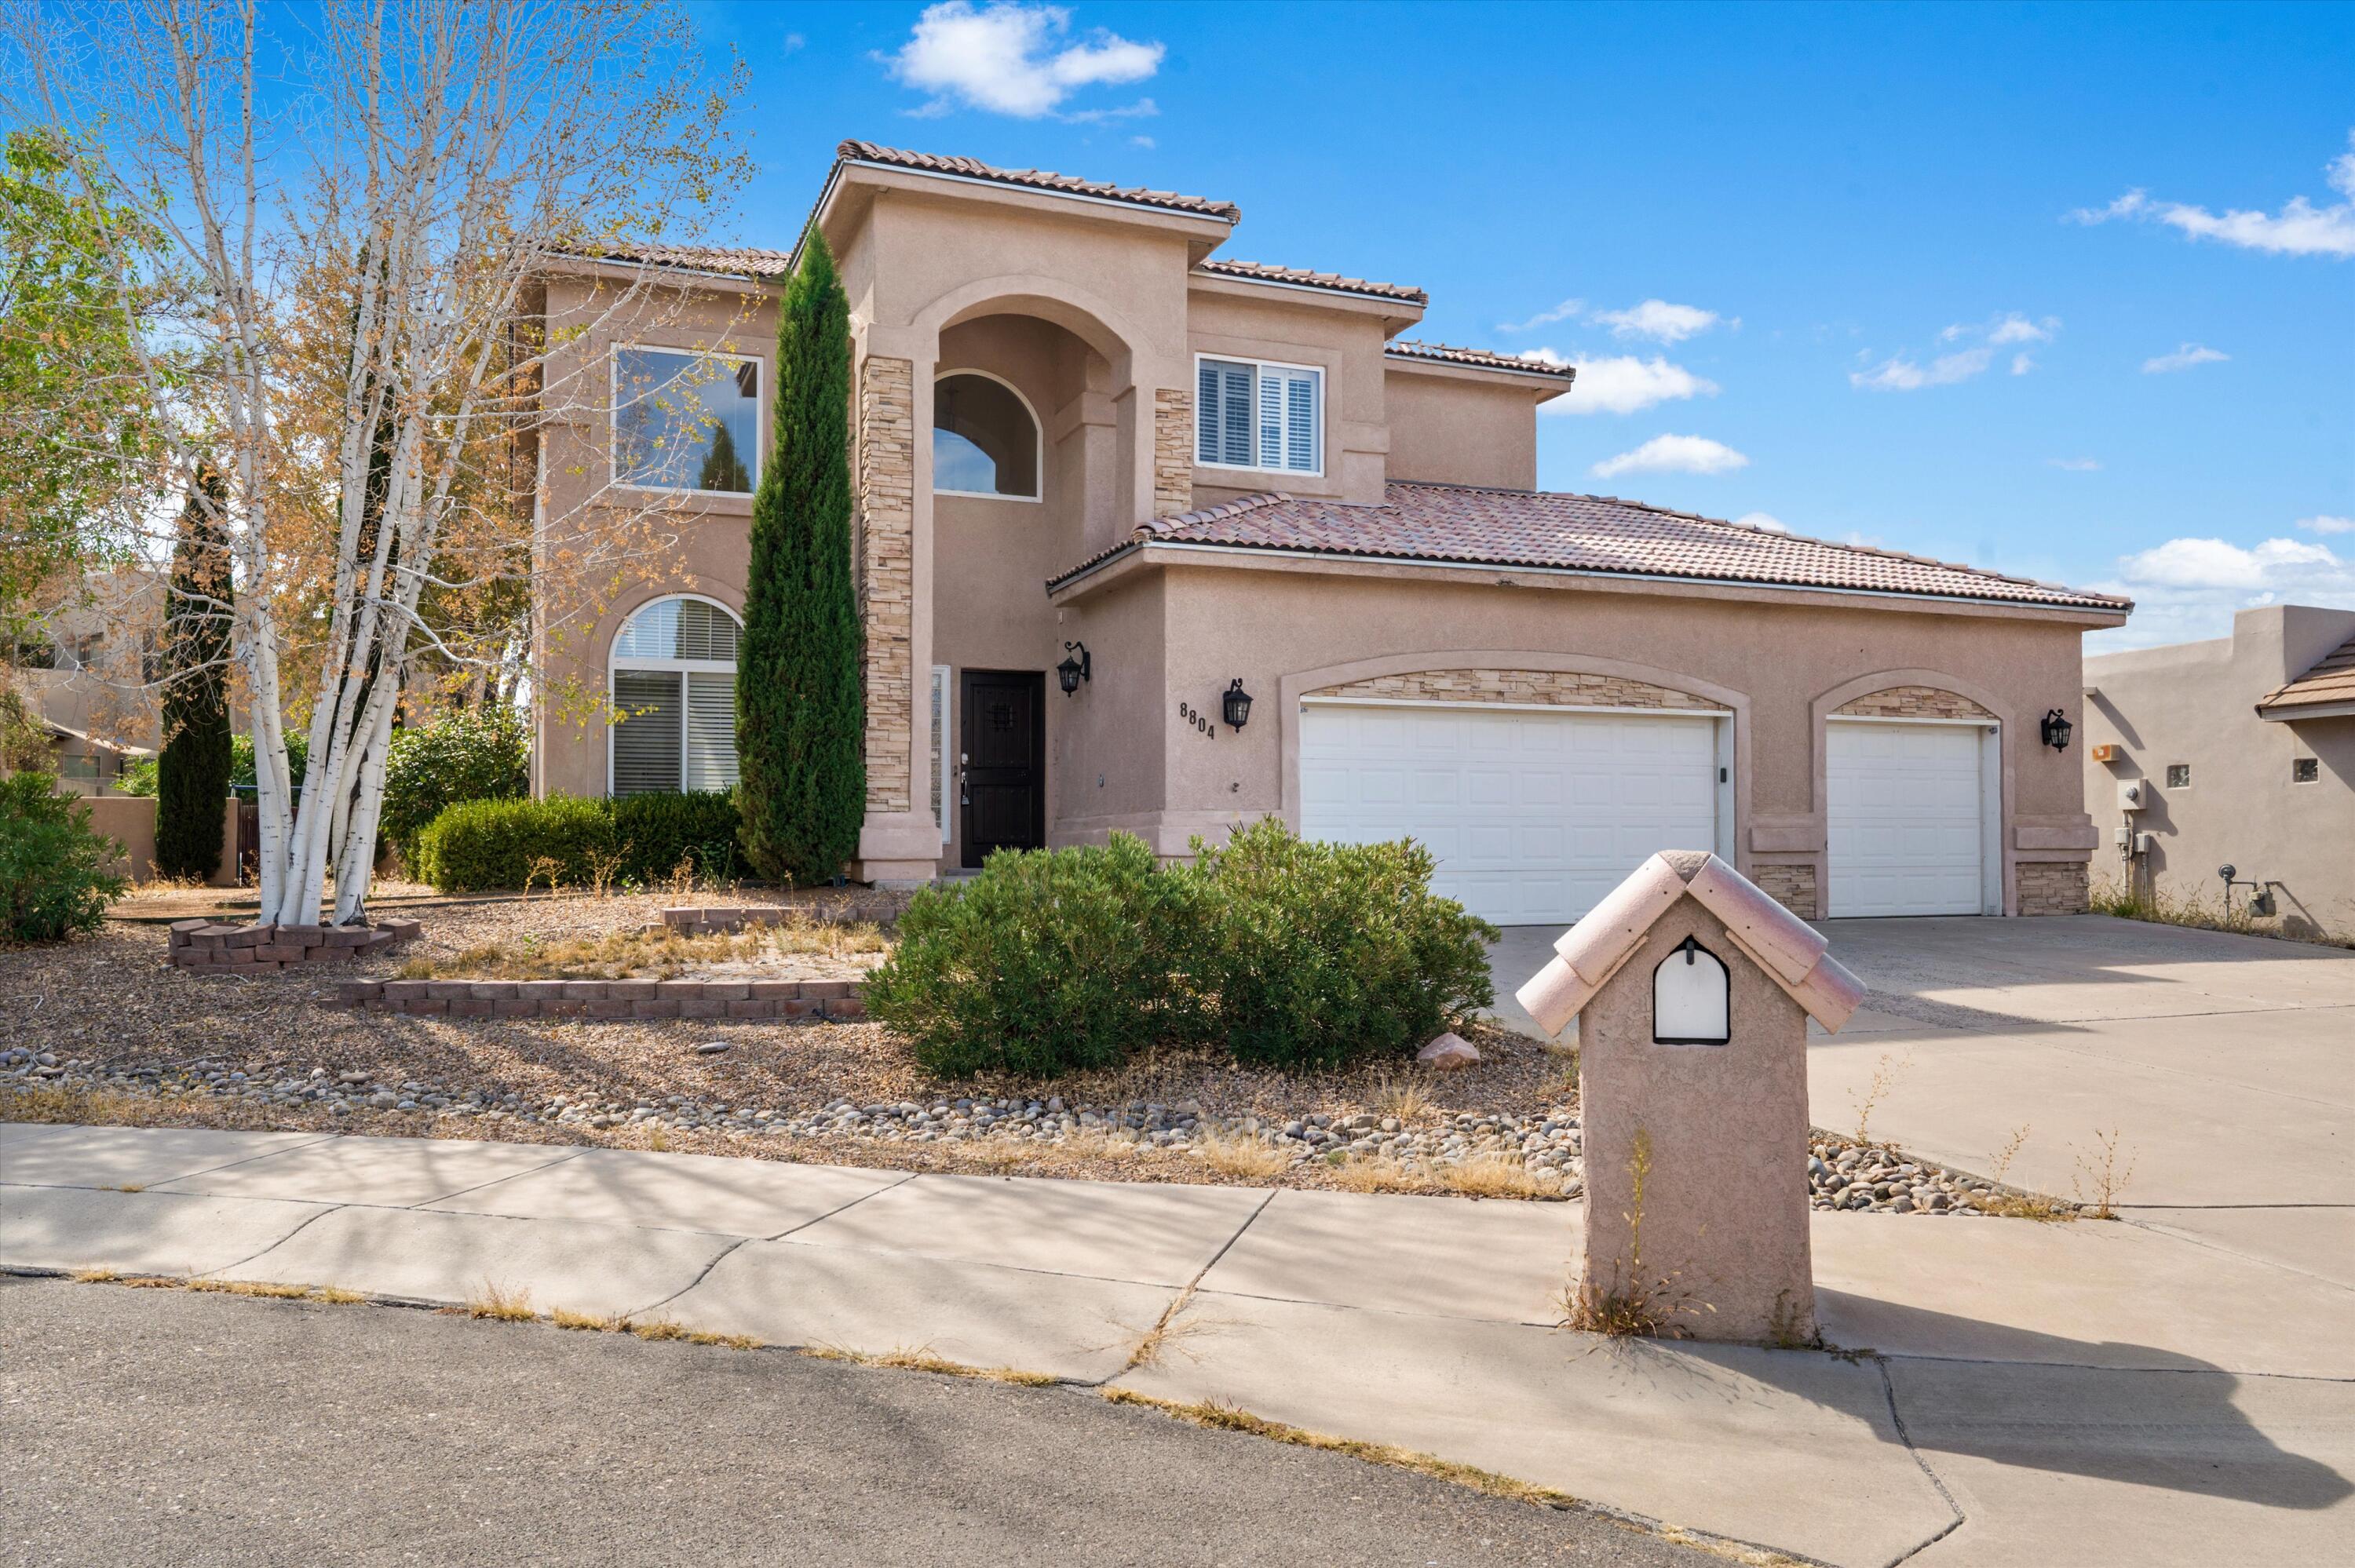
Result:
1142,551
2289,712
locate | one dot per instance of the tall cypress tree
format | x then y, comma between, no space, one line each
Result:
192,775
801,714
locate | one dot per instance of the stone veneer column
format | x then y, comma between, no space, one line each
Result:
2053,887
1172,451
886,571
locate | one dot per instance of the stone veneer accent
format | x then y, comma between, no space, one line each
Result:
1519,686
1172,451
1791,885
1914,701
887,573
815,1000
2052,887
203,946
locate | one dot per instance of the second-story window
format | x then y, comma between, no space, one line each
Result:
1252,414
684,420
985,440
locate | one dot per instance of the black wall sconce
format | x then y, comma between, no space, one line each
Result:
2055,730
1071,672
1235,704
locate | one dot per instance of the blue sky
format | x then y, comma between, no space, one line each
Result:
1875,273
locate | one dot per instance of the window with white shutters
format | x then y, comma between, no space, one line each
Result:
1259,416
674,691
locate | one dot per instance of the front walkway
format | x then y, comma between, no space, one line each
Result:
2080,1393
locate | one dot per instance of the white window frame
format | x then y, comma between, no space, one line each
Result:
1037,434
614,420
1257,365
684,666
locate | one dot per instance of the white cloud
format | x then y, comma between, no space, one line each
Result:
2013,328
1674,454
1765,522
2188,588
1560,312
1659,321
2076,465
2021,363
1898,374
2326,524
1620,384
2300,228
1144,142
1005,58
2183,358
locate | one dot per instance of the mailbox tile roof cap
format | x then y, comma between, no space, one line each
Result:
1793,952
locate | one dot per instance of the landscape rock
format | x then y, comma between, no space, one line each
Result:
1448,1053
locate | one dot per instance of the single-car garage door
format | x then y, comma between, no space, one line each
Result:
1906,821
1533,816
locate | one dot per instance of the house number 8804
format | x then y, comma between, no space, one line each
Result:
1199,720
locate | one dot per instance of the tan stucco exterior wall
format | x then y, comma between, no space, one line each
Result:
1299,329
1782,663
2194,704
1452,428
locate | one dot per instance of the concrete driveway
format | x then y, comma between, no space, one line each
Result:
2224,1065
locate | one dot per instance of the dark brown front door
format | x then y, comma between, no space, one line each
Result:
1003,798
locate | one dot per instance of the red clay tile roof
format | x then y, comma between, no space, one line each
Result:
735,261
1479,358
1267,272
1473,525
2332,680
1036,179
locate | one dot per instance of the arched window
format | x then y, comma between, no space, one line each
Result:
984,438
673,688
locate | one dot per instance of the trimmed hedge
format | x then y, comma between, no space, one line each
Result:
1286,953
479,844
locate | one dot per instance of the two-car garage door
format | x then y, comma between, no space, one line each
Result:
1532,815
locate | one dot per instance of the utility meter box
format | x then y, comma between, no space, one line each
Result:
2130,794
1692,990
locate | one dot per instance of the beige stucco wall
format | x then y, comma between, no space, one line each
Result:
2194,703
1297,328
1454,428
1781,662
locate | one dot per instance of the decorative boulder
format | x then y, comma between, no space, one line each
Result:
1449,1052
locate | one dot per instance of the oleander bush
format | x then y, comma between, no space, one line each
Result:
470,754
1286,953
1321,953
53,880
1049,961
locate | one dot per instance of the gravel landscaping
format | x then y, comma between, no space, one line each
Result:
106,1031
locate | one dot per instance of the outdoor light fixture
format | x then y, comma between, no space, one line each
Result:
1071,670
1236,704
2056,728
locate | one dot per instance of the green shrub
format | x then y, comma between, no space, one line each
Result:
140,775
1049,961
658,832
469,755
52,881
1320,953
478,845
240,759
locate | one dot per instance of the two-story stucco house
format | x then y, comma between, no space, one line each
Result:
1109,483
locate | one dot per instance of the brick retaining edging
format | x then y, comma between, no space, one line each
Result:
728,919
816,1001
205,947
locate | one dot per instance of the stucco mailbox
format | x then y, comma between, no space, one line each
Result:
1692,989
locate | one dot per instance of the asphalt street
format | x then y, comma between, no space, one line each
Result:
166,1426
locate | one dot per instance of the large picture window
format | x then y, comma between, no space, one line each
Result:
1248,414
985,440
674,688
684,420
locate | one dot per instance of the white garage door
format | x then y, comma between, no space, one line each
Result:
1533,816
1907,819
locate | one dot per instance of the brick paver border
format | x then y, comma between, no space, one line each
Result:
816,1001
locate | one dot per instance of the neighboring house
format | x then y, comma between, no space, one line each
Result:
1189,481
2244,750
82,669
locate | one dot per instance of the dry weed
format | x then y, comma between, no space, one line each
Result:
1380,1175
1496,1176
501,1305
1240,1154
922,1359
1885,1075
2100,1173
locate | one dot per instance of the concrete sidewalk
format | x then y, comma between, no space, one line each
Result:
2083,1393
